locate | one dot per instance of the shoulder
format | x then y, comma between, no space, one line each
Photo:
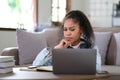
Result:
95,47
85,44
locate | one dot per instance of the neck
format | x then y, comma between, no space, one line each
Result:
75,43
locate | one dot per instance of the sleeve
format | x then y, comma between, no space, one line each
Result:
43,58
98,59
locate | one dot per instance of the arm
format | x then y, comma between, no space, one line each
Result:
63,44
43,58
98,59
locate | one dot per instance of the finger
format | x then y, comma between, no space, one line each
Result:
66,43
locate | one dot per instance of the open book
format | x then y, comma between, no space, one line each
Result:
41,68
44,68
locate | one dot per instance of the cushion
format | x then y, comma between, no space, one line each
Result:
111,56
101,41
53,36
29,44
117,39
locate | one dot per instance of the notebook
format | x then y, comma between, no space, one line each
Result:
74,61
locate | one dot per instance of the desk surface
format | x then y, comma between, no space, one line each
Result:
17,74
114,70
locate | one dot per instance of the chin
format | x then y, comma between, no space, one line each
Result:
71,43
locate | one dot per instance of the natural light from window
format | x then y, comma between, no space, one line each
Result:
16,14
58,10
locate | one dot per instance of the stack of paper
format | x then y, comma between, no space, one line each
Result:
6,64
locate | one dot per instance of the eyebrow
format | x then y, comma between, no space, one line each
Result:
70,27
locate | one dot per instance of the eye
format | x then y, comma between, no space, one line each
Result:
64,29
72,29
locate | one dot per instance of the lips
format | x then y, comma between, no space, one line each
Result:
68,38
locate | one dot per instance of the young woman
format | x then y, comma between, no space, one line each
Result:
77,33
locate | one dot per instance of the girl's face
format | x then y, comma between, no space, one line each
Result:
72,31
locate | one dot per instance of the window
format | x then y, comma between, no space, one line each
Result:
101,12
18,13
59,9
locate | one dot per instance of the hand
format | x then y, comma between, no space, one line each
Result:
63,44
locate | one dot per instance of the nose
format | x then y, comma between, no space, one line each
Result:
67,33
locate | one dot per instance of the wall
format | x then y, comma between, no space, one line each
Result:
7,39
44,11
96,21
78,5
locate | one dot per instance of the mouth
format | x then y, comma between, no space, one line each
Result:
68,38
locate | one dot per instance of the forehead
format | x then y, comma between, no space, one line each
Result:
70,23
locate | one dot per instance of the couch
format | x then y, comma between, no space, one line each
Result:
30,44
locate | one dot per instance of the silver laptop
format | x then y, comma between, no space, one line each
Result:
74,61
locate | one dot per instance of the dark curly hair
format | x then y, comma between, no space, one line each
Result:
80,18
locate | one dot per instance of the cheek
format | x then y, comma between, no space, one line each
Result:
77,37
64,34
76,34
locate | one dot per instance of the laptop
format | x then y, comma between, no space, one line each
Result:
74,61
